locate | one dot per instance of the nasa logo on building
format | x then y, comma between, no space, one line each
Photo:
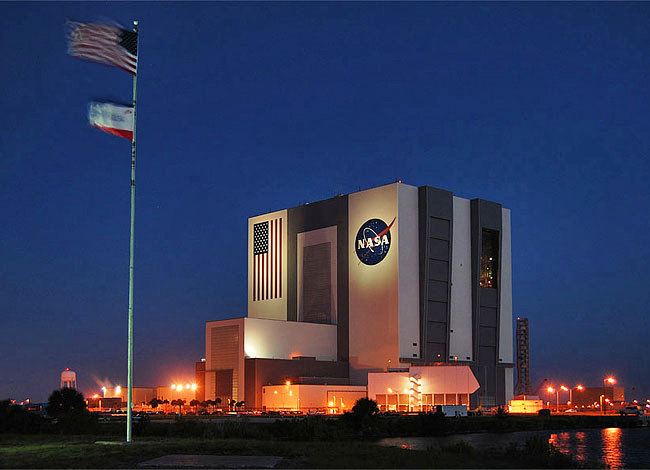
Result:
373,241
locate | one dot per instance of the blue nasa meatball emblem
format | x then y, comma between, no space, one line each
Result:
373,241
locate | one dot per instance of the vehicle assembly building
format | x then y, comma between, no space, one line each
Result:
399,292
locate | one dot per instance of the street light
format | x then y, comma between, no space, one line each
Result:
611,381
557,398
564,388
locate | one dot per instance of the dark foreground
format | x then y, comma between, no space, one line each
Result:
71,441
65,451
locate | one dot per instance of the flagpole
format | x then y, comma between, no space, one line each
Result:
129,404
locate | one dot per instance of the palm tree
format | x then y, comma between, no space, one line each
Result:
217,402
154,402
177,402
195,403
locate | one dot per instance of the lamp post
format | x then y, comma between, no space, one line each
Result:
608,380
578,387
566,389
557,398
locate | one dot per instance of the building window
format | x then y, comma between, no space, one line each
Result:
490,259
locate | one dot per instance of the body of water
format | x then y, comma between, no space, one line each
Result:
612,447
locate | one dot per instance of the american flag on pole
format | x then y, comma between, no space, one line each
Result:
104,43
267,260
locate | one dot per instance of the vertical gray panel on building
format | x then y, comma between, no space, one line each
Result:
486,236
435,221
327,213
317,285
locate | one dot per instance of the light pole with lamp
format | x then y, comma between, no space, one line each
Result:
557,398
608,380
566,389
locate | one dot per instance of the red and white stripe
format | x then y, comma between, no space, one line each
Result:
101,43
267,267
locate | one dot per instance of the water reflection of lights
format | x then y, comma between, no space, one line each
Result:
611,448
573,445
581,446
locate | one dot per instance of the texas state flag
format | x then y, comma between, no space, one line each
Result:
112,118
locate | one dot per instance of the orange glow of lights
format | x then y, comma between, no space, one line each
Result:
550,390
390,390
194,386
331,403
187,386
611,380
173,387
580,387
95,396
288,382
564,388
275,392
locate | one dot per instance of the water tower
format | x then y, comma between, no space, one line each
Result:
68,379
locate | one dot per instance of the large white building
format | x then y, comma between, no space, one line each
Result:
391,279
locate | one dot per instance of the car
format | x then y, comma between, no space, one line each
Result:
570,410
631,410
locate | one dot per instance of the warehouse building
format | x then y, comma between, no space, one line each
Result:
396,280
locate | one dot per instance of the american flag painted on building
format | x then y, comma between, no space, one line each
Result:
267,260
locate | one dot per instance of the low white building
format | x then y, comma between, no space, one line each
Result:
292,397
421,388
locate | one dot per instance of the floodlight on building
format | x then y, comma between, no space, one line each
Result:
194,386
173,387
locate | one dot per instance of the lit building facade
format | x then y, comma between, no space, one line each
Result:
392,278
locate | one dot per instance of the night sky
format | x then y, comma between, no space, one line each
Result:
245,108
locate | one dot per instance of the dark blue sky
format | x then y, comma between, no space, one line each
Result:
245,108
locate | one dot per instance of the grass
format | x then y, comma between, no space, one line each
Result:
59,451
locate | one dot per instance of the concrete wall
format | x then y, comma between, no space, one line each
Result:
274,339
460,344
374,299
274,308
409,272
506,353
